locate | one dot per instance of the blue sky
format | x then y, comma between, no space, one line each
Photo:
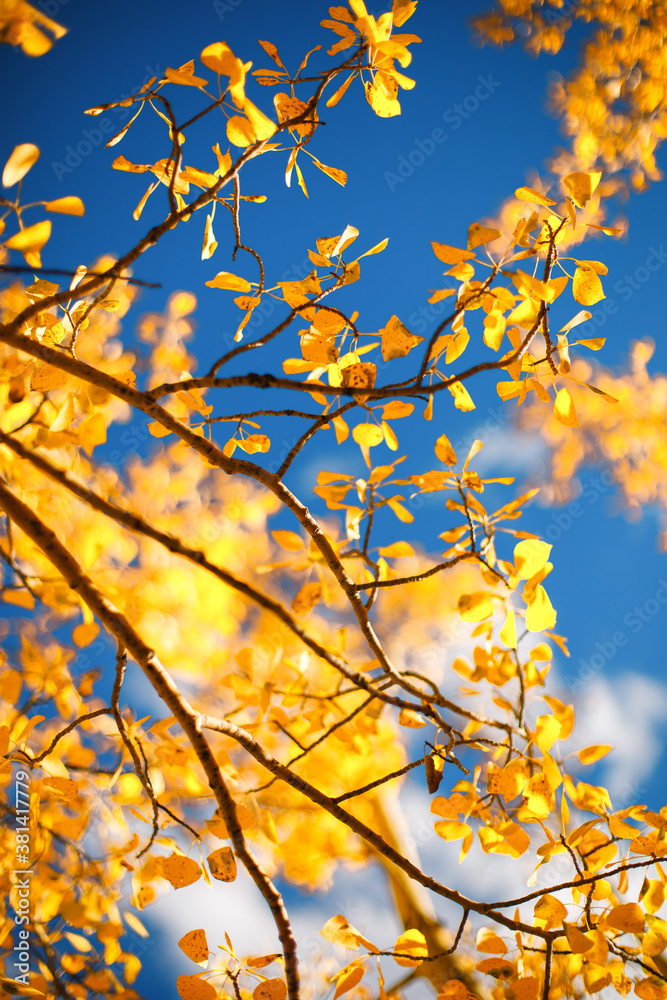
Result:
405,185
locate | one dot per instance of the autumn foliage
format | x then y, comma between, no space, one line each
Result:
300,669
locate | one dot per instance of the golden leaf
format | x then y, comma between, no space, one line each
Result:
195,946
222,864
180,871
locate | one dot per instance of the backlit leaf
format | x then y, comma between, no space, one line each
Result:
450,255
270,989
349,981
307,598
21,159
444,451
231,282
194,988
480,235
530,556
195,946
580,186
530,194
590,755
222,864
180,871
564,410
627,917
69,205
586,286
413,943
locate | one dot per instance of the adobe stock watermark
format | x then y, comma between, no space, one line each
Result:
22,872
635,620
51,7
454,117
104,127
625,288
224,7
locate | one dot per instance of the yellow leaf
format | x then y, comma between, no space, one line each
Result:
628,917
564,410
180,871
19,163
231,282
489,942
69,205
338,931
263,127
85,633
530,556
307,598
92,431
30,240
288,540
540,613
64,788
499,968
222,864
64,416
15,988
605,229
530,194
462,398
413,943
209,245
397,341
451,829
270,989
455,989
184,79
378,248
581,317
475,607
20,598
586,286
262,960
653,897
450,255
367,435
410,719
158,430
547,732
398,550
349,981
122,163
589,755
336,174
480,235
444,451
358,376
550,910
651,988
580,186
45,377
577,940
508,631
194,988
382,99
240,131
526,988
195,946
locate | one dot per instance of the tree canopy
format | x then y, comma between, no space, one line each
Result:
310,658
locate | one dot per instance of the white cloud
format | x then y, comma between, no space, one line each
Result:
630,713
511,451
